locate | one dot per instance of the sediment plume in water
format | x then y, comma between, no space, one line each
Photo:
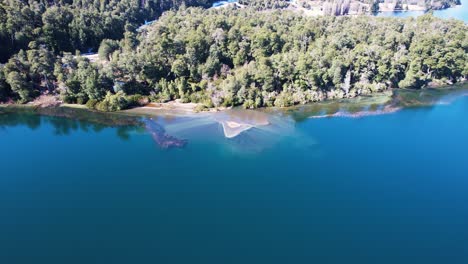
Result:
280,128
269,125
236,121
246,130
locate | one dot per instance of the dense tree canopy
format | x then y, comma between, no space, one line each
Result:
280,58
68,25
226,57
265,4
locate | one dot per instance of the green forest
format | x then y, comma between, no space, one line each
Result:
69,25
265,4
216,57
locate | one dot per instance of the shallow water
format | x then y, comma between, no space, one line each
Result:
375,189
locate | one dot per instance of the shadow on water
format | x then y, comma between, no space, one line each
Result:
32,121
67,120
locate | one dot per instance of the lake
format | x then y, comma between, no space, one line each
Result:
457,12
377,179
370,185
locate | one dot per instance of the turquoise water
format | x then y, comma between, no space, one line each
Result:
378,189
457,12
221,3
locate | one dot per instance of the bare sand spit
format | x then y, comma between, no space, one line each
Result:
236,121
170,108
44,101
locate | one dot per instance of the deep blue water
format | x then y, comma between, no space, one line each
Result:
379,189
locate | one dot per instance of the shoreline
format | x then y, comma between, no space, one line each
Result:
422,9
410,8
235,121
178,109
173,107
317,11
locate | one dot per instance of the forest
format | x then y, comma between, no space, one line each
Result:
223,57
265,4
69,25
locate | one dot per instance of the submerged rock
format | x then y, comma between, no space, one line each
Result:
161,137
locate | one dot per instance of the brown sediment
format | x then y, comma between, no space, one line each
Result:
45,101
359,114
171,108
172,105
243,116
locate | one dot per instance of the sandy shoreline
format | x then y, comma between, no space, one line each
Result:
173,107
232,119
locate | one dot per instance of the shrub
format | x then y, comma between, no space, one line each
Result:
68,98
136,100
80,99
107,47
113,102
201,108
284,100
91,104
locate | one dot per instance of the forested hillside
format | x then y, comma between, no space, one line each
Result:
227,57
69,25
279,58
